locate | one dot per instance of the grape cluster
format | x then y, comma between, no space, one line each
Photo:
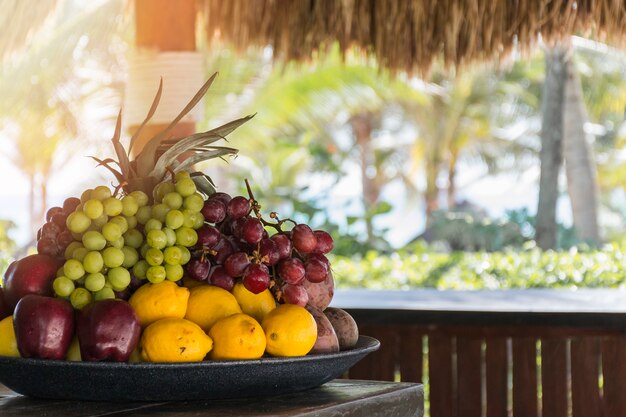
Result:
234,244
116,242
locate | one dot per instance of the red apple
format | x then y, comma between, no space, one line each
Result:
44,326
4,308
108,330
30,275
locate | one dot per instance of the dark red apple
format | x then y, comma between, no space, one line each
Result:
108,330
44,326
4,308
30,275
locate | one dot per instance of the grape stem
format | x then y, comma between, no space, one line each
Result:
256,207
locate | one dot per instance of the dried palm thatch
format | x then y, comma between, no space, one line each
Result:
408,35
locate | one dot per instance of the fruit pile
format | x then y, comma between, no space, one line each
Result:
165,269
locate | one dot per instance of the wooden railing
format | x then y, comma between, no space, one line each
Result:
526,353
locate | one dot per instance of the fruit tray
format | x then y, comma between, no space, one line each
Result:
106,381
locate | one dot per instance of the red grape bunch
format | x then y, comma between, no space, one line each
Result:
234,244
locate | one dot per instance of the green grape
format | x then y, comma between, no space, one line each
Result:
95,282
185,254
86,195
152,224
161,189
198,221
181,174
105,293
133,238
189,218
71,248
100,221
79,207
113,257
173,272
111,231
119,243
143,214
93,262
131,221
156,274
80,253
101,192
156,239
171,236
63,286
129,206
79,298
60,272
186,236
93,209
159,211
73,269
154,257
121,222
194,202
140,197
143,250
130,257
78,222
140,268
173,200
174,219
93,240
185,187
172,255
112,207
119,278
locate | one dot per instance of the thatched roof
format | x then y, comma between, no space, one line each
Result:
410,34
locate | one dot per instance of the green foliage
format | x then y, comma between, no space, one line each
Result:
423,267
7,245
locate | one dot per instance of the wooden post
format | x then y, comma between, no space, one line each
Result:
164,26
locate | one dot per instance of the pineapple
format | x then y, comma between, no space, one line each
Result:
159,157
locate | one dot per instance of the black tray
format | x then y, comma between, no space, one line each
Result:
106,381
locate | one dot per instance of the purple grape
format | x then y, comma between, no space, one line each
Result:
47,246
223,249
223,197
220,278
267,248
283,245
324,242
64,239
256,278
291,270
236,264
52,211
214,211
70,204
198,269
295,294
208,236
238,207
252,230
304,241
315,270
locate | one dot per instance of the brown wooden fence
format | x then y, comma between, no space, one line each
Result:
502,363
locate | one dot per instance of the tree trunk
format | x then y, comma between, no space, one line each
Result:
580,168
432,189
43,199
452,161
551,144
362,130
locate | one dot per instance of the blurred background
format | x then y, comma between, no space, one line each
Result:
425,178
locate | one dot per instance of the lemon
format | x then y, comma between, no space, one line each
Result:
190,282
255,305
174,340
8,344
290,330
153,302
208,304
237,337
73,352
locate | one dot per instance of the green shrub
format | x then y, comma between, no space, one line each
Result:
423,267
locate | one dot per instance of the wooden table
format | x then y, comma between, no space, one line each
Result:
346,398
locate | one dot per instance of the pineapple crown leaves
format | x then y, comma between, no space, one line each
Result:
175,155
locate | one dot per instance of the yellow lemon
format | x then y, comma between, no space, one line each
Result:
290,330
153,302
190,282
174,340
237,337
255,305
8,344
208,304
73,352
